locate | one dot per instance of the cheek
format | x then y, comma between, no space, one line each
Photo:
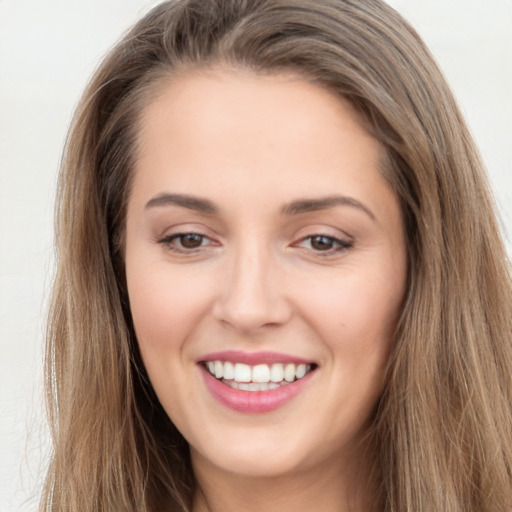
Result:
165,305
166,309
355,305
355,317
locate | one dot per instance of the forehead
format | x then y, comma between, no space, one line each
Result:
218,96
263,134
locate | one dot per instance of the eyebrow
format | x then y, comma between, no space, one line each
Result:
294,208
183,200
324,203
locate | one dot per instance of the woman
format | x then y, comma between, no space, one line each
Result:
281,282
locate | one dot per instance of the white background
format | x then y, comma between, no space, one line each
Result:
48,49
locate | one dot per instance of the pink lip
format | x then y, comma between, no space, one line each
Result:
253,401
252,358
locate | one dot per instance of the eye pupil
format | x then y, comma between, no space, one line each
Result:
191,240
321,243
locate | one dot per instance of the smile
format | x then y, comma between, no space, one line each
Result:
255,382
260,377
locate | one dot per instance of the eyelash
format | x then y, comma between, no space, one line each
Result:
336,245
168,242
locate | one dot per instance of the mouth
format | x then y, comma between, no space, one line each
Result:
255,382
259,377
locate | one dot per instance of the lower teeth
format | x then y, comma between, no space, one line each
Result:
254,386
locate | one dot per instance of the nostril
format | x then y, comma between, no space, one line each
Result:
250,317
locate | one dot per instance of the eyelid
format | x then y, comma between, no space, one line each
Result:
339,241
342,242
175,232
183,229
323,230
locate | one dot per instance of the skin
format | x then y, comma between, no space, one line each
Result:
259,280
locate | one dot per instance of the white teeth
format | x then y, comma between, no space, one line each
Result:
254,386
260,377
300,371
242,373
276,373
260,373
229,371
289,372
219,369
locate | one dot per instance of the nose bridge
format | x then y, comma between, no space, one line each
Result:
252,296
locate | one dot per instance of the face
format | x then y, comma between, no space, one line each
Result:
266,268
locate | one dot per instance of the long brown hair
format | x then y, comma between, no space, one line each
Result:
443,426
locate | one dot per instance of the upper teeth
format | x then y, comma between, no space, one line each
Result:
260,373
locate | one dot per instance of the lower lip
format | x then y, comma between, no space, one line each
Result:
255,402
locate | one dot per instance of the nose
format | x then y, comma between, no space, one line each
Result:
251,296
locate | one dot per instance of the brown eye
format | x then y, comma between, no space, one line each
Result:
185,242
322,243
190,240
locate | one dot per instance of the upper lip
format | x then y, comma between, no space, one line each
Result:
252,358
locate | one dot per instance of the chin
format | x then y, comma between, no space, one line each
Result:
255,461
